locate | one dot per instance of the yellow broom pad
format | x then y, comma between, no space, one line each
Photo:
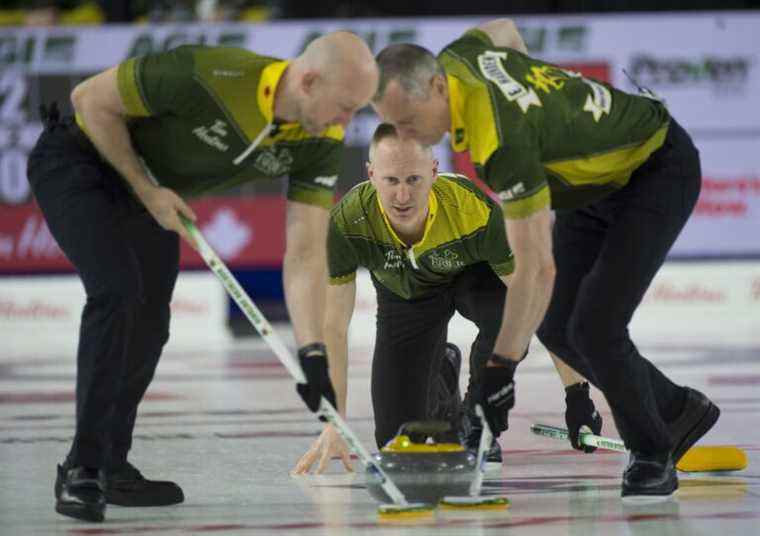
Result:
713,458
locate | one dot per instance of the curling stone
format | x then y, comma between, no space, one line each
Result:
426,461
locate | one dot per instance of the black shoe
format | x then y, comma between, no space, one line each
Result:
127,487
79,493
493,454
649,475
698,416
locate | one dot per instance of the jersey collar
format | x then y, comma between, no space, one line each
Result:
432,212
270,77
458,134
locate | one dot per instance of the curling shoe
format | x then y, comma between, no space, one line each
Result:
493,455
699,414
125,486
650,476
79,493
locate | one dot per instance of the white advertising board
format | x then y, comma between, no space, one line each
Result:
706,66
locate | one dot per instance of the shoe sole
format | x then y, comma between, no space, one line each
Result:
492,466
78,511
647,499
132,503
701,427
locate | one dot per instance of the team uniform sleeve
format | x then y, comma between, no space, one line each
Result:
157,84
494,245
476,35
314,182
342,261
515,173
472,37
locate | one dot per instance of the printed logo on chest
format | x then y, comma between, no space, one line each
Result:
273,161
445,261
393,260
213,135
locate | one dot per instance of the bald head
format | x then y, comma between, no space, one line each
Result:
335,76
341,53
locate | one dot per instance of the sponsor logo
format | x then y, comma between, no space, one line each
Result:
599,102
274,162
227,234
546,78
35,241
393,260
512,193
503,394
727,197
59,49
714,71
673,292
445,260
12,310
327,181
213,135
17,136
27,49
189,307
491,66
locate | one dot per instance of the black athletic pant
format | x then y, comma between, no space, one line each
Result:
606,256
410,342
128,265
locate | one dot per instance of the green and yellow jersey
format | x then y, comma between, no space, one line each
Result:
542,136
193,112
463,227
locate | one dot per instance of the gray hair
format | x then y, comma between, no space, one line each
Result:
412,66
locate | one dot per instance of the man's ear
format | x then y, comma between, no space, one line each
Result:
435,169
309,82
439,85
370,171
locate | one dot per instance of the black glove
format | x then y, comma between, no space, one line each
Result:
498,393
581,412
313,358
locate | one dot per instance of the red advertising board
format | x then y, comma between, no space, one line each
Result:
246,232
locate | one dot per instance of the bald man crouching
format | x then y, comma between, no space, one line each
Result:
111,182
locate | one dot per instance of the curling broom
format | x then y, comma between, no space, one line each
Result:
696,459
476,501
400,506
